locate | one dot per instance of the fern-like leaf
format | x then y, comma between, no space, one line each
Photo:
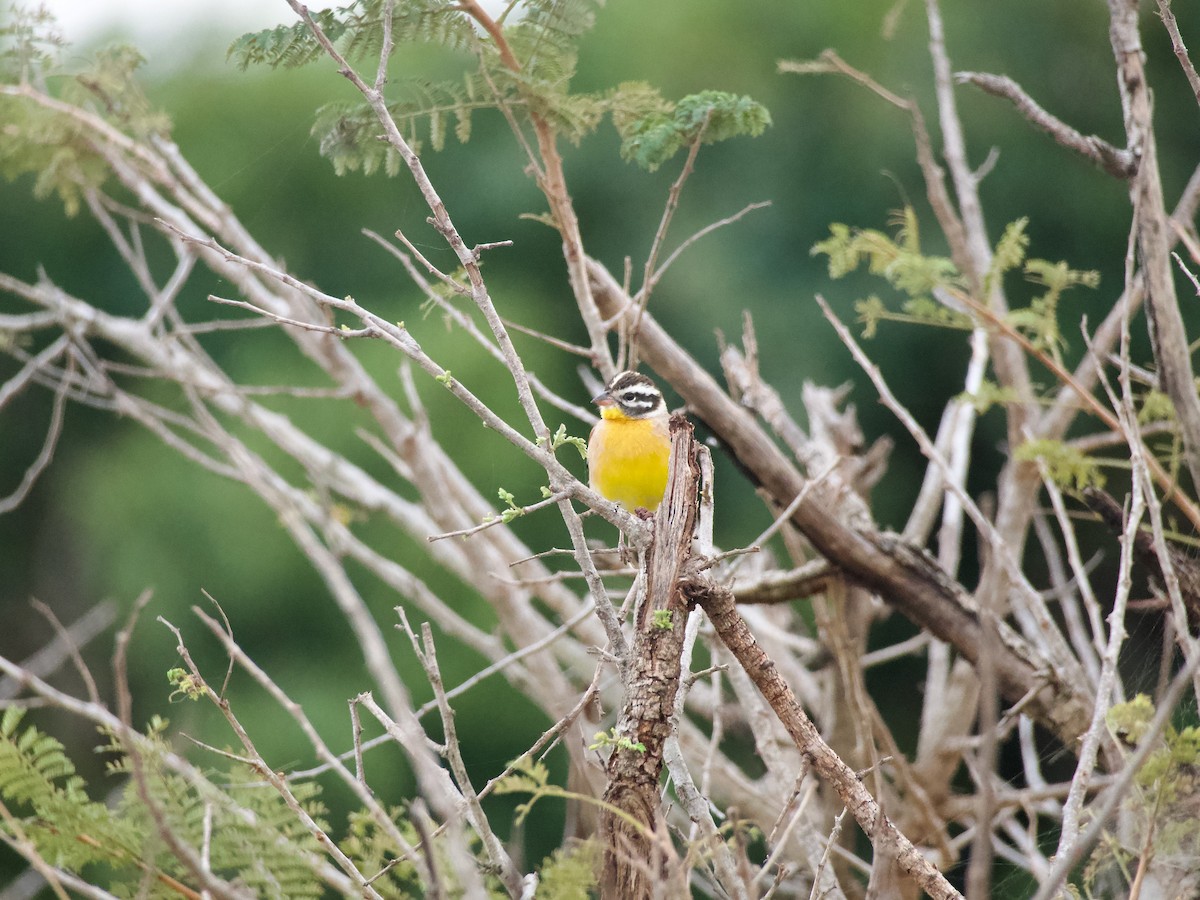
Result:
711,116
356,30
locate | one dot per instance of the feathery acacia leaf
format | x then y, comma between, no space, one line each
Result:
710,116
356,30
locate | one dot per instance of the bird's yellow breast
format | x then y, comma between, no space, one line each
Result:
627,459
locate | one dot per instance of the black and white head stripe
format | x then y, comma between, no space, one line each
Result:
635,394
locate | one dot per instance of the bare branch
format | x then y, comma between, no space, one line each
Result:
1116,162
1177,45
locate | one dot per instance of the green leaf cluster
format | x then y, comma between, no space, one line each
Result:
1066,466
356,30
569,873
610,738
253,838
989,394
560,439
533,77
1168,779
921,277
51,141
653,129
1156,406
901,263
899,260
30,44
372,850
528,776
1039,320
511,510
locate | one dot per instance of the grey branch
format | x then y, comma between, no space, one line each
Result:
1115,161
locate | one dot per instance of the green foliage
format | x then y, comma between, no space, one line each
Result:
348,132
528,776
663,129
1040,319
1066,466
989,394
901,263
111,82
372,850
663,619
898,260
47,141
530,73
187,686
1164,806
1156,407
570,872
512,511
356,30
30,44
923,278
252,836
1010,250
34,770
1129,721
610,738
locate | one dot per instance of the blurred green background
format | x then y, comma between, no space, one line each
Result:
118,513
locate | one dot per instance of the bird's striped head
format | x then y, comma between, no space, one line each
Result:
630,395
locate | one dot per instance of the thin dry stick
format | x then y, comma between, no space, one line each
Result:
719,605
1117,162
427,656
706,230
1165,319
501,664
45,455
383,821
1177,45
1101,412
262,768
642,299
64,647
1088,651
63,635
212,884
1052,642
436,784
36,364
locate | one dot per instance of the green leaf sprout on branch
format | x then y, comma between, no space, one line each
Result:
610,738
187,686
560,438
1066,466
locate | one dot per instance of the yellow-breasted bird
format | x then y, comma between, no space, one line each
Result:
630,446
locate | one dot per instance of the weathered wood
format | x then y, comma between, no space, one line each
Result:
639,859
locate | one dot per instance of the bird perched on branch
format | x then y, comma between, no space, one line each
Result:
630,446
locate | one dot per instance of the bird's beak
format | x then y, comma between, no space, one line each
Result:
604,398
